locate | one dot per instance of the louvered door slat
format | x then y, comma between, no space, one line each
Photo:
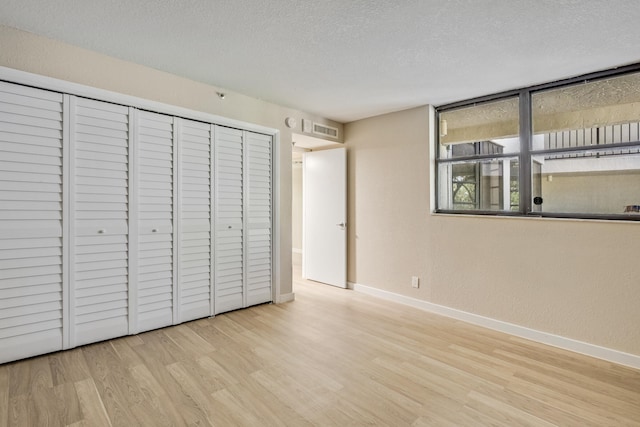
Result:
100,184
258,211
195,220
155,165
229,284
31,252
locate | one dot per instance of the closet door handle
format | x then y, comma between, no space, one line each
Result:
154,230
102,231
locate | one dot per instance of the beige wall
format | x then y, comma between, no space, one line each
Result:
388,183
577,279
27,52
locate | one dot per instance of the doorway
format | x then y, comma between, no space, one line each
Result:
301,144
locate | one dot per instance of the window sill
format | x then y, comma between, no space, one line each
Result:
627,219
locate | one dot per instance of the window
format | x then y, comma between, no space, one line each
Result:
566,149
478,153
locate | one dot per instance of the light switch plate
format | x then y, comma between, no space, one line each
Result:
415,282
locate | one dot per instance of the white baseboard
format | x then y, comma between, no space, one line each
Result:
604,353
280,299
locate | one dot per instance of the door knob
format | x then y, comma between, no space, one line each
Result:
342,225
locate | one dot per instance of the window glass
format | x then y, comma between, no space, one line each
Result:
590,133
588,114
486,185
489,128
590,182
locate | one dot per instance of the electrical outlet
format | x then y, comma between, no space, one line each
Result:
415,282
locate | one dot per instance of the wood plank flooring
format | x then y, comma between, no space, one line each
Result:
330,358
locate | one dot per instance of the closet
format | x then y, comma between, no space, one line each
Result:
116,221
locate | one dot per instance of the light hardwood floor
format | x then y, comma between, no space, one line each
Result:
330,358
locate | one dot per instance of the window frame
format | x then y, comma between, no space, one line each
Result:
526,153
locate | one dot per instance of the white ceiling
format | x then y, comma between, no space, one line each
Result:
349,59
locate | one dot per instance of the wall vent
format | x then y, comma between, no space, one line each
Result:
325,130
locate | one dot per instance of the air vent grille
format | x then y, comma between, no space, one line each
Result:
325,130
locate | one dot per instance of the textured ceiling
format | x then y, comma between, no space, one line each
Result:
349,59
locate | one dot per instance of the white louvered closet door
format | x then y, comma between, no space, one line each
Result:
100,191
155,194
31,222
229,220
194,279
258,218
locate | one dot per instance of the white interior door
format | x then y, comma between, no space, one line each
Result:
194,289
258,218
100,221
325,216
156,258
229,220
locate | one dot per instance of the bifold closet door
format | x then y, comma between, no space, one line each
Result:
154,158
194,275
258,218
99,220
31,222
229,219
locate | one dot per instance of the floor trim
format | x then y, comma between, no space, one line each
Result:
604,353
285,298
